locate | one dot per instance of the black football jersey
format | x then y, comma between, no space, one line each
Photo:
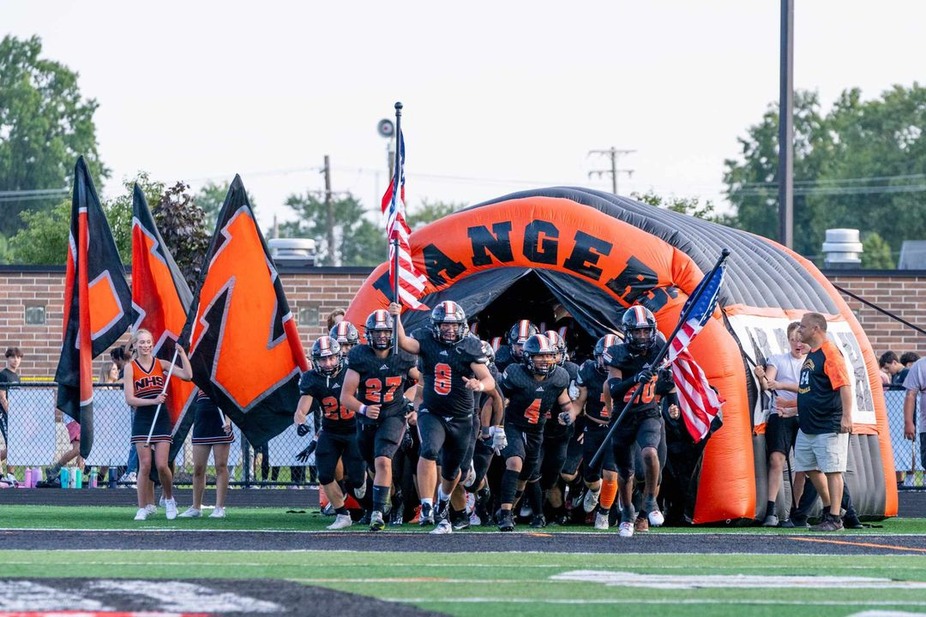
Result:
529,400
382,380
592,379
443,368
629,364
504,358
326,396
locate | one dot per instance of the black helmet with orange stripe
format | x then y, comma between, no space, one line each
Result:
639,325
518,335
539,355
452,314
346,334
601,347
323,349
379,327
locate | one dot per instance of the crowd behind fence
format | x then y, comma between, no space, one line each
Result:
38,436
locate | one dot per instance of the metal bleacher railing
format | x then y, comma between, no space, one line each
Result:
38,437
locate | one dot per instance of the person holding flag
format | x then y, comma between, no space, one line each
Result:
146,381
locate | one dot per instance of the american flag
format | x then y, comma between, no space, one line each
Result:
698,402
411,284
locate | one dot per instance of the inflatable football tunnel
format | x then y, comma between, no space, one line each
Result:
595,254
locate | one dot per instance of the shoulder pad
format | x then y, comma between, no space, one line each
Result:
617,355
560,378
471,347
421,334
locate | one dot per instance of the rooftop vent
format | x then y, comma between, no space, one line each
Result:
842,249
295,252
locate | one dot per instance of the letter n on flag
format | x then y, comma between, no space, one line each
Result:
97,303
161,298
244,347
411,283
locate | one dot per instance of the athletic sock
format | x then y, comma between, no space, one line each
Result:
608,494
770,508
509,486
380,498
341,510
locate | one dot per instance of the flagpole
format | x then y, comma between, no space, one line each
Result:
394,241
692,302
157,410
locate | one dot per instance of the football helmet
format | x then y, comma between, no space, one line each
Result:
559,344
345,333
489,352
539,355
601,347
379,327
451,313
518,334
323,348
639,326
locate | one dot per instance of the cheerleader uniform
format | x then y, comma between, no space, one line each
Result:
208,423
149,384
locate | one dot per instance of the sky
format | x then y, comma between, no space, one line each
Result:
498,96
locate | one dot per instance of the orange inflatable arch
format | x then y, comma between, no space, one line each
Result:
596,254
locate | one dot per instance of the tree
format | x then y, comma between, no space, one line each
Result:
683,205
876,253
44,126
430,211
862,165
357,241
210,199
182,225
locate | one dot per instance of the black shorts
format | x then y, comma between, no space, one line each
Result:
526,446
554,450
594,437
574,453
208,424
643,430
383,438
446,437
334,446
141,425
780,434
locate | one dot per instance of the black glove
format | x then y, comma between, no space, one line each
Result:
302,429
566,418
645,376
408,441
303,456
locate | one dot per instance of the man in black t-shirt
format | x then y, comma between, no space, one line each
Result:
373,389
9,375
453,367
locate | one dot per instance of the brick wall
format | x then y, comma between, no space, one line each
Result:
314,293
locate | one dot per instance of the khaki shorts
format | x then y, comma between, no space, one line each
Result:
827,452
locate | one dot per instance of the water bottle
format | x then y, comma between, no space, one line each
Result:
93,479
64,477
36,476
77,478
28,481
112,477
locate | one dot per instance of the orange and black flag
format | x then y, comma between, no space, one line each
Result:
97,303
161,298
244,347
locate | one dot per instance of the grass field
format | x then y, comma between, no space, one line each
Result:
484,582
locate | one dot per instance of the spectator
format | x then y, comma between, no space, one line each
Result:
890,366
915,384
212,431
907,359
120,356
334,318
780,376
109,373
9,375
824,402
74,453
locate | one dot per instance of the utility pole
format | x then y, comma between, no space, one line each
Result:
614,153
329,211
786,128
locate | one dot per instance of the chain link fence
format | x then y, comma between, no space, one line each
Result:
38,435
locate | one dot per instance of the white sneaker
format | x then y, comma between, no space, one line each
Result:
360,491
656,519
170,505
591,500
601,521
443,527
191,512
142,514
626,530
217,512
341,521
151,508
162,501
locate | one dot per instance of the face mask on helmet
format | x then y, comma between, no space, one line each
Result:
345,333
639,327
559,345
379,329
601,347
521,331
448,322
326,356
539,355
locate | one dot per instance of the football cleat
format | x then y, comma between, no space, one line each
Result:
376,521
625,530
341,521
